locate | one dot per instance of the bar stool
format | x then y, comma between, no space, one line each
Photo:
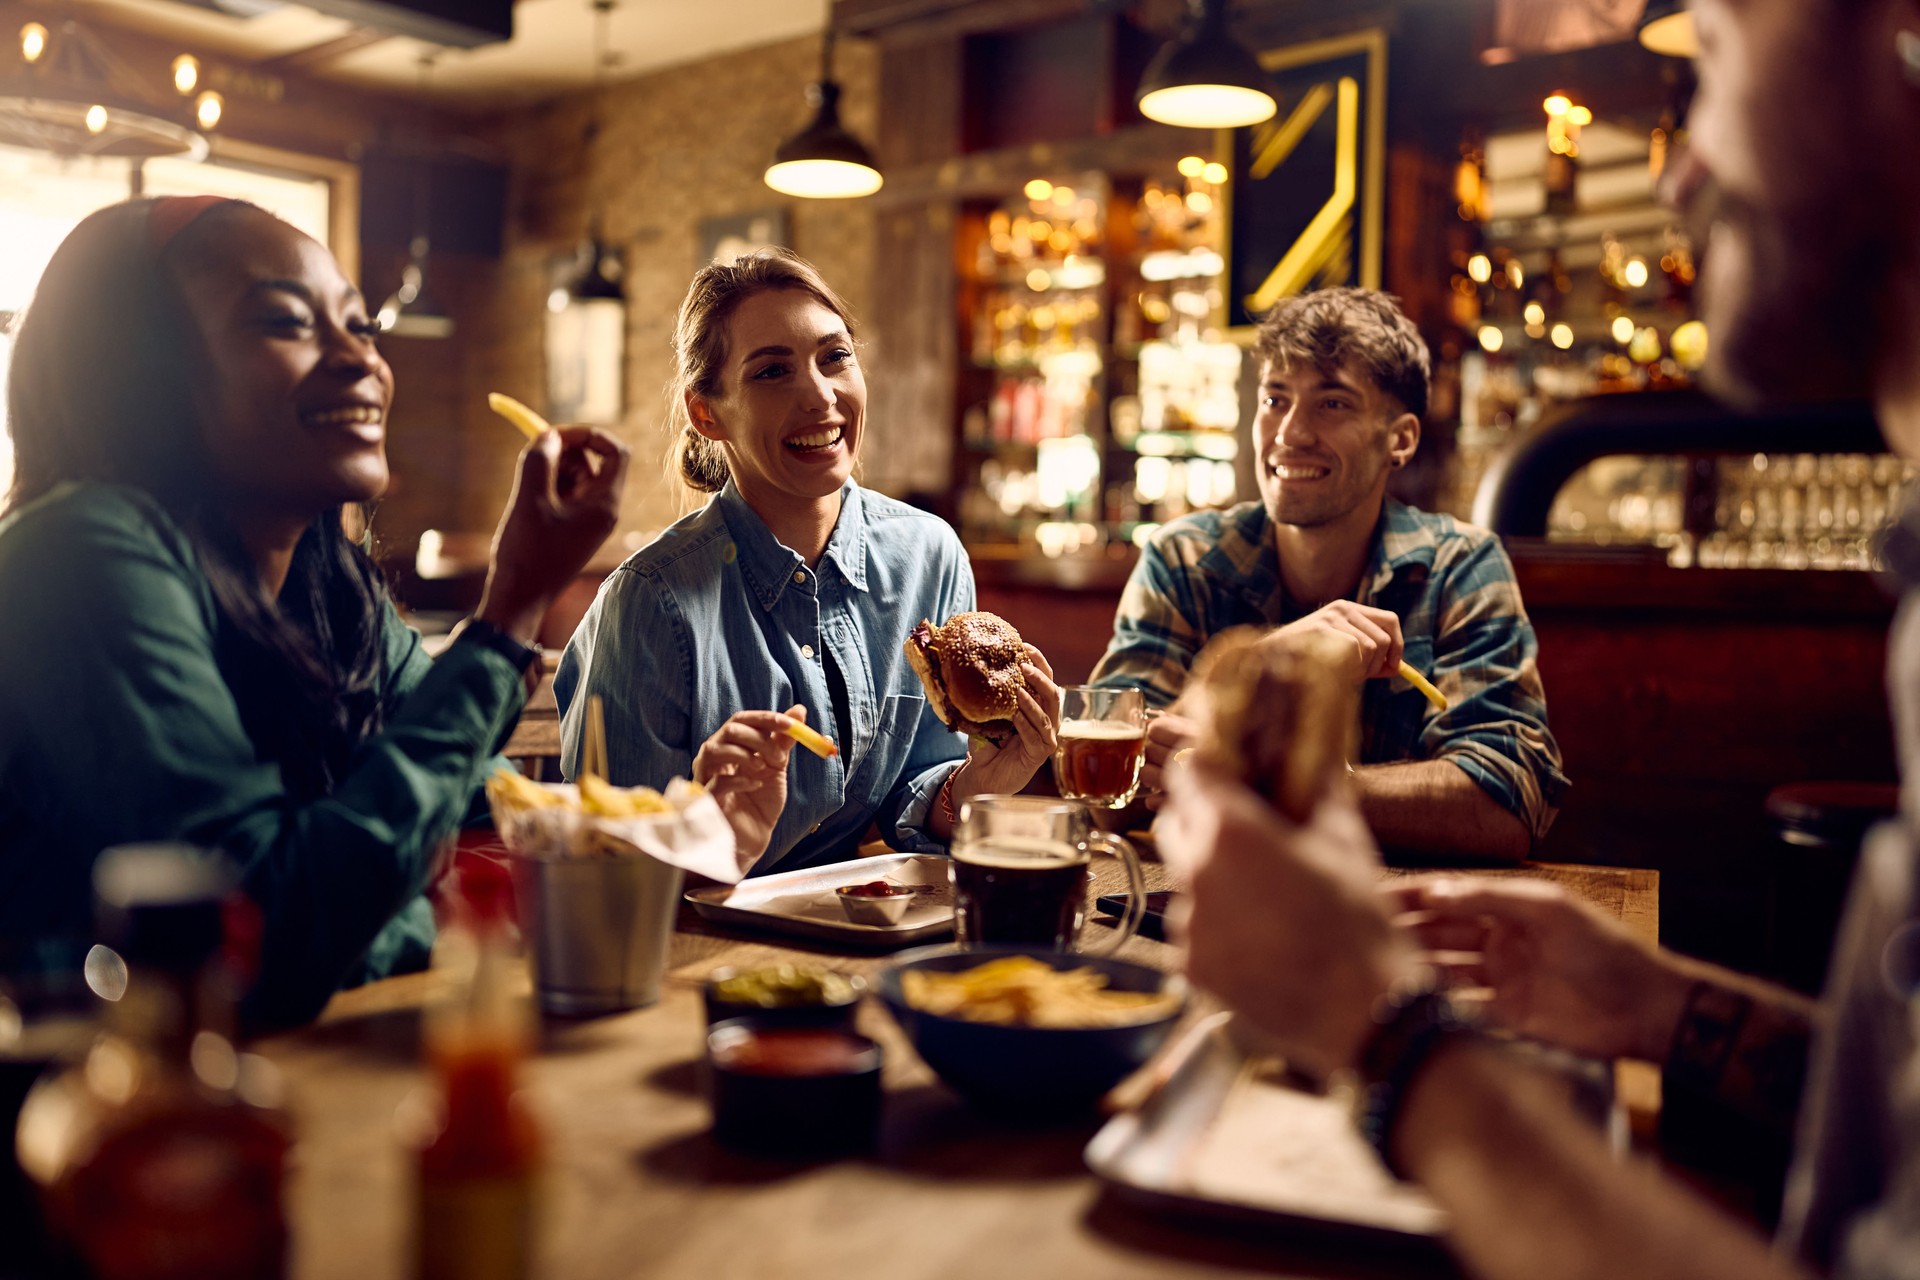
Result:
1817,827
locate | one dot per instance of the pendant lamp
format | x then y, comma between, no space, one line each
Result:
1667,27
823,160
586,329
1205,79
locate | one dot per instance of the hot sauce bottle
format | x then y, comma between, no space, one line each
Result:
160,1151
478,1161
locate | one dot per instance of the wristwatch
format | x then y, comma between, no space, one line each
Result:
1411,1024
524,657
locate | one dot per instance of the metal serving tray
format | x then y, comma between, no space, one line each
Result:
801,904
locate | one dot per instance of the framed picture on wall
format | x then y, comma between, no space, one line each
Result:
724,239
1306,199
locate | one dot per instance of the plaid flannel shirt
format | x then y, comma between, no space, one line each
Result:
1460,614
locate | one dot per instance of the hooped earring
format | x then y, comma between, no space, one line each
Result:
1907,45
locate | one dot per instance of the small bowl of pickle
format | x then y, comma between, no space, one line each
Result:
784,995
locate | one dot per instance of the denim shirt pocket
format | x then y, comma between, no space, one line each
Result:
887,757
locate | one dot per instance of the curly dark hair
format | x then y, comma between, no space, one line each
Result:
1331,327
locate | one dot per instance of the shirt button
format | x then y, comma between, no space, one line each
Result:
800,576
806,651
815,831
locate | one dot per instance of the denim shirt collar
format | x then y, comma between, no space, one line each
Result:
769,564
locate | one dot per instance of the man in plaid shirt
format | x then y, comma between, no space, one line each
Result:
1344,384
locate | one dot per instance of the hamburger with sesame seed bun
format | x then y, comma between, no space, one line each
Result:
971,670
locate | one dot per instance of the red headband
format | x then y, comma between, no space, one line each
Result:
168,216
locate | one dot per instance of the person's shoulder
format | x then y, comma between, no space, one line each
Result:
1454,541
686,551
895,520
74,525
99,558
1188,538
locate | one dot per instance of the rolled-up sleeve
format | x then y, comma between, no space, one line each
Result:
1485,662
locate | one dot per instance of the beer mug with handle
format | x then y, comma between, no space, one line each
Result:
1103,739
1020,870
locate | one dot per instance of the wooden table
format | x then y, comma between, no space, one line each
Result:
637,1188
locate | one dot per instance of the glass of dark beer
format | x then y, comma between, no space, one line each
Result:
1103,739
1020,871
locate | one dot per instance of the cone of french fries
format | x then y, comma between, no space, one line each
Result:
681,826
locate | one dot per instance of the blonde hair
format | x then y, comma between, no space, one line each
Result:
700,347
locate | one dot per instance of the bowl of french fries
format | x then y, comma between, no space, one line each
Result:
1041,1033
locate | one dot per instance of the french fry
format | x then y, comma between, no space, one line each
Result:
1424,685
513,790
604,800
1022,991
812,741
529,422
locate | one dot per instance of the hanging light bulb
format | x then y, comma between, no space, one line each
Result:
186,74
823,160
96,119
33,42
208,108
1204,79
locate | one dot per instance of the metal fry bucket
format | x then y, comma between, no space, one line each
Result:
597,929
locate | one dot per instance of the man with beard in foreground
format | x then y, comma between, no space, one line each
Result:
1803,191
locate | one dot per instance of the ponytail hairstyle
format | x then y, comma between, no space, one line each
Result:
700,347
104,368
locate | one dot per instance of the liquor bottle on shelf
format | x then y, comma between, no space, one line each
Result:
161,1151
478,1159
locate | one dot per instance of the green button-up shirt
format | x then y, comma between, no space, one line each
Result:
116,726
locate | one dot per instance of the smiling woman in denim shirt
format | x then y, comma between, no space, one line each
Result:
787,598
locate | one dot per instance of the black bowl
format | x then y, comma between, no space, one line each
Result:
1030,1069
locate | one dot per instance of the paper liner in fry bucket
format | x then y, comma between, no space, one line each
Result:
546,821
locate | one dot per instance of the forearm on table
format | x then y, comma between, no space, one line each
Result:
1524,1177
1435,806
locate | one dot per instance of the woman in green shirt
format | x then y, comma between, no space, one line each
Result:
191,647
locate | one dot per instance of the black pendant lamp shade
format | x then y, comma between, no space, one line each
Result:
1667,27
1205,79
823,160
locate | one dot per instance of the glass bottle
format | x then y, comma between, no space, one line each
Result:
160,1153
478,1162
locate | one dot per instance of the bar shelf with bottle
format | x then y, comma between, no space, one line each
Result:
1097,395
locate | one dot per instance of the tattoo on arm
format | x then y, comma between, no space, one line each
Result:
1744,1049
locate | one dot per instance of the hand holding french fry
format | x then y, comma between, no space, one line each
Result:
744,764
566,500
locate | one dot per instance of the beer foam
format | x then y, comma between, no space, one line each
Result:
1020,853
1101,730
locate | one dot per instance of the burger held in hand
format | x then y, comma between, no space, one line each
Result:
971,668
984,681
